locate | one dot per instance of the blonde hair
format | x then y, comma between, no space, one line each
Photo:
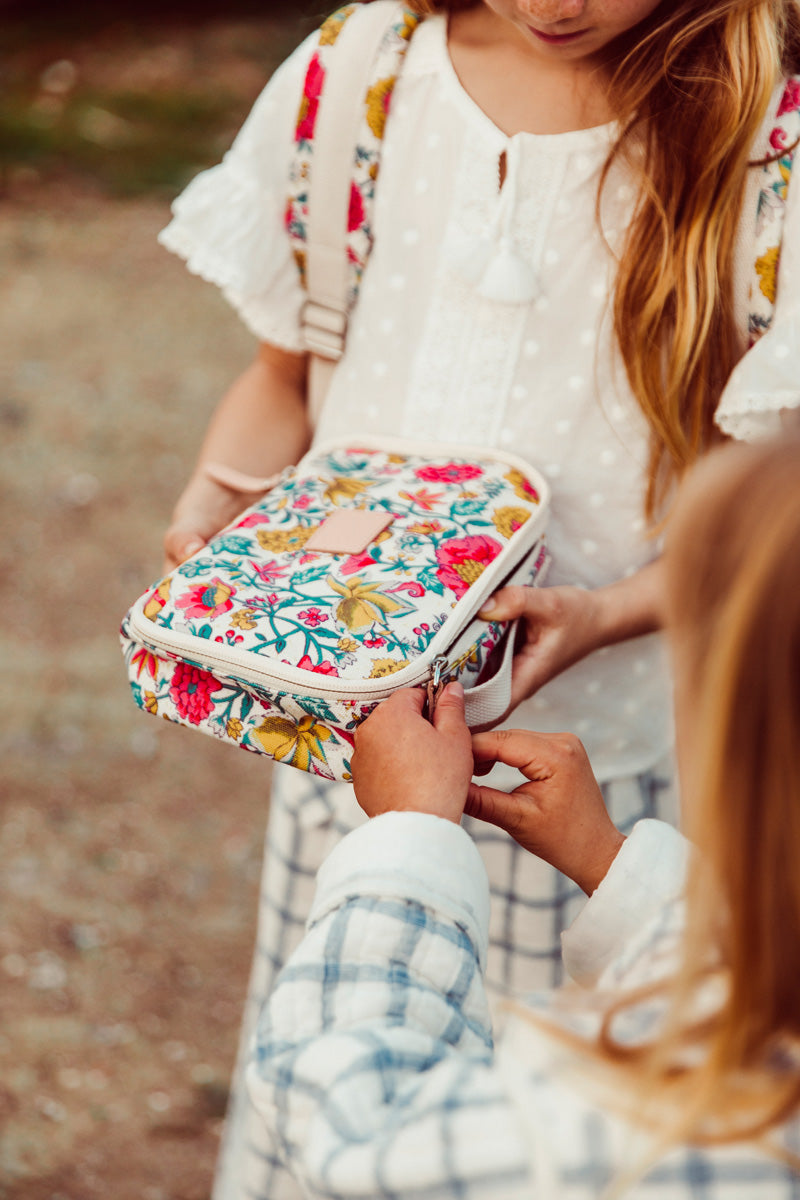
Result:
691,86
734,583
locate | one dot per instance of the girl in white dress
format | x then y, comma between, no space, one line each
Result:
604,144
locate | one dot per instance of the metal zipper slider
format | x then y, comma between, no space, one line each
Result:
436,685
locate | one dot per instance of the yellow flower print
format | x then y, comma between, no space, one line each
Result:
333,26
767,269
425,528
243,619
234,729
158,599
363,603
397,459
508,520
385,666
279,540
410,23
300,261
297,743
521,486
347,645
151,704
345,489
377,103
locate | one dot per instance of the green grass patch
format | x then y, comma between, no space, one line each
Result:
127,142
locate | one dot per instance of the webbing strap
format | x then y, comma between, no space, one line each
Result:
347,81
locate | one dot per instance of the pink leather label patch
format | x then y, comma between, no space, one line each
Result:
348,531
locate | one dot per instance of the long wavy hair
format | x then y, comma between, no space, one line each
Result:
690,86
734,598
733,571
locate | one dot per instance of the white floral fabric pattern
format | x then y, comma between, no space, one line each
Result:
265,641
366,152
776,174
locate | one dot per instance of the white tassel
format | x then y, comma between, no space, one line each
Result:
507,277
470,257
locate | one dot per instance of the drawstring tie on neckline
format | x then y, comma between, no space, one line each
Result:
493,263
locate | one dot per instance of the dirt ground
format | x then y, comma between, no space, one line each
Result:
130,849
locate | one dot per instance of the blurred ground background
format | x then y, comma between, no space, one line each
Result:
130,851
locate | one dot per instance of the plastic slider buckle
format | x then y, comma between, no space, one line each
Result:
324,330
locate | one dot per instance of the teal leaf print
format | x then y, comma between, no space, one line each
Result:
196,566
232,543
468,508
431,581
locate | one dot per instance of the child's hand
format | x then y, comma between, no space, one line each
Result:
559,630
203,509
559,814
564,624
402,763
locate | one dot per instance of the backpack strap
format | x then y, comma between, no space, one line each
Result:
340,127
771,211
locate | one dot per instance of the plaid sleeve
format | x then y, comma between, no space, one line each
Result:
373,1064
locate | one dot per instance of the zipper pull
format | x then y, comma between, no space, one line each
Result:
436,685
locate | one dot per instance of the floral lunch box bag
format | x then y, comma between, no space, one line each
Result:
360,572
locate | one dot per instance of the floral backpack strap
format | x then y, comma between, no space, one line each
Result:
348,87
771,212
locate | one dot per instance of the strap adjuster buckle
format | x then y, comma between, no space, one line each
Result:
324,330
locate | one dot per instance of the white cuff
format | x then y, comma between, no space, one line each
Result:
410,856
648,872
764,384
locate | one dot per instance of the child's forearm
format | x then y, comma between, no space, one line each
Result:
630,607
261,424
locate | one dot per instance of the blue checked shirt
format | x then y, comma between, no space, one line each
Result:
374,1065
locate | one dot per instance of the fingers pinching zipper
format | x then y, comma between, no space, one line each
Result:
435,686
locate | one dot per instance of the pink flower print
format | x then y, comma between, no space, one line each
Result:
355,563
463,560
411,586
322,668
449,473
777,139
790,100
357,212
144,659
301,501
207,599
190,691
312,90
313,617
269,572
251,520
374,642
423,498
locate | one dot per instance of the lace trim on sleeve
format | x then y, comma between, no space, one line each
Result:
764,384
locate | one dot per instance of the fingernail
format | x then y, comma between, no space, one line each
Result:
488,610
193,546
455,688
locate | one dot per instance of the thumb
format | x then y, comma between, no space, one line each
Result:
507,604
449,714
493,806
180,544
